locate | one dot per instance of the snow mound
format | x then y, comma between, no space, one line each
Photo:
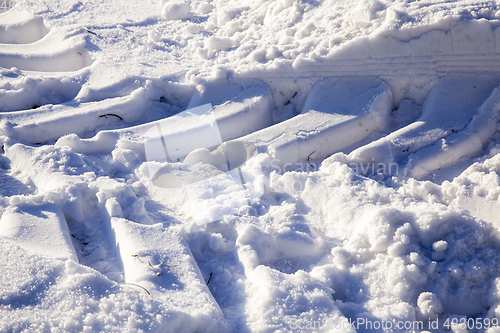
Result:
175,11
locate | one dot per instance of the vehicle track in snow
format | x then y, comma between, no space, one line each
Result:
343,104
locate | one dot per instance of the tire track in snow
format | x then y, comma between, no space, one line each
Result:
26,44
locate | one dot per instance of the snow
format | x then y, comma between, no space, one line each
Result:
265,166
175,11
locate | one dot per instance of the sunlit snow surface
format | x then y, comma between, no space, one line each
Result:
347,178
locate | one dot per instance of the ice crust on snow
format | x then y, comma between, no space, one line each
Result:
84,228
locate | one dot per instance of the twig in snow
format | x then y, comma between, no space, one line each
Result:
308,159
90,32
210,278
110,114
133,284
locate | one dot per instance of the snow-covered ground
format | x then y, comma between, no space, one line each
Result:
264,166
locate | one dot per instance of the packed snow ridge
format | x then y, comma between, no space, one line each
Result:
225,166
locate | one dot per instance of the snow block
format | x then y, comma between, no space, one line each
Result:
338,113
240,107
41,230
161,262
449,107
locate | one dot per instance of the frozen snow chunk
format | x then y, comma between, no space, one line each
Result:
366,11
175,11
473,37
264,244
433,42
457,324
449,107
205,8
240,106
154,36
429,305
297,240
125,160
223,194
440,246
214,44
42,230
416,259
457,145
217,243
396,249
113,208
337,113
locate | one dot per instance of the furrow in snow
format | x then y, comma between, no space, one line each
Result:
337,114
460,95
55,52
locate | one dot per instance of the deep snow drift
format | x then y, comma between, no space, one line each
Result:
272,166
